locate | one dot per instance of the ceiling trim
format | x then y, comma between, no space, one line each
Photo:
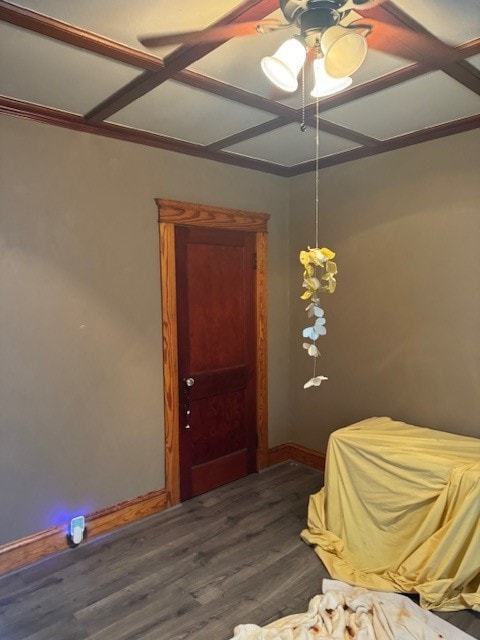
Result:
391,144
48,115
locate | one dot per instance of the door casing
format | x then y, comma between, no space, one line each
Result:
170,214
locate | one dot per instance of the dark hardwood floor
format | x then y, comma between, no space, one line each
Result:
231,556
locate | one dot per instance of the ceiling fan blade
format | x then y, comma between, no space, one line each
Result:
399,41
214,34
356,5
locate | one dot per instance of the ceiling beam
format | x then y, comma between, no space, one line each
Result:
64,32
287,114
265,127
414,70
179,59
372,86
465,73
224,90
271,125
345,132
435,52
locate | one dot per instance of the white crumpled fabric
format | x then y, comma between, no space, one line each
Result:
355,614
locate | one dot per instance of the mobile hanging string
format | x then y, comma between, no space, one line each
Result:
317,147
303,126
319,270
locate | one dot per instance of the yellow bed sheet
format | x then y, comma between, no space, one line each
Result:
400,511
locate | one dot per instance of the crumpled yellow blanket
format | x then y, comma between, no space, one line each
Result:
346,613
400,511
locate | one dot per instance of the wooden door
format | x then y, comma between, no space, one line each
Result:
171,214
215,292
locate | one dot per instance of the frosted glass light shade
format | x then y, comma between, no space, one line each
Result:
344,50
282,68
325,85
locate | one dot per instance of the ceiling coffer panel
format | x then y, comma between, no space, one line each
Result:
40,70
124,20
451,22
429,100
184,113
290,145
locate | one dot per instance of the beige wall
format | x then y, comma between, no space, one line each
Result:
81,416
403,326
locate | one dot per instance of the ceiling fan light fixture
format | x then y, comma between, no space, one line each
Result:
325,85
283,67
344,50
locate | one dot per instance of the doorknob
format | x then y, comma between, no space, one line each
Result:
189,381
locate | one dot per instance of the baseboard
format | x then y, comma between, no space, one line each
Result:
297,453
280,453
19,553
40,545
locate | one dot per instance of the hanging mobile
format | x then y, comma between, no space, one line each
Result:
318,275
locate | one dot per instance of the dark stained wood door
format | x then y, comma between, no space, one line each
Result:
215,275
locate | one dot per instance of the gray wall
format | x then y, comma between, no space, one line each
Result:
81,416
403,326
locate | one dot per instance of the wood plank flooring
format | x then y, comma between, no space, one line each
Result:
231,556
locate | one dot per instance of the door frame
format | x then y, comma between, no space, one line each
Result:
170,214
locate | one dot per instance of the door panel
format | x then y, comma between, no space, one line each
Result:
216,348
212,474
217,426
220,290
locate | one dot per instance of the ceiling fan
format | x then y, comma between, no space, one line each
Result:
338,45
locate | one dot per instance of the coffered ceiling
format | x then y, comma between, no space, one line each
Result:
79,64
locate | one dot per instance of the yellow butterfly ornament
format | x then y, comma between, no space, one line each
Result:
314,261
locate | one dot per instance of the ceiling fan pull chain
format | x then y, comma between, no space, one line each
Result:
317,145
303,126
